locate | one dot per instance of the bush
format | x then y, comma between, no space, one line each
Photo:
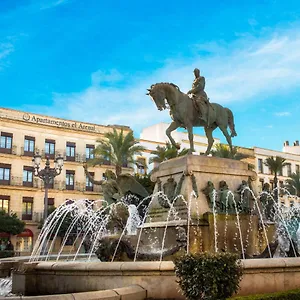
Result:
208,276
289,295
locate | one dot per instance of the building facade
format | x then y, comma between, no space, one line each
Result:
23,135
291,154
155,135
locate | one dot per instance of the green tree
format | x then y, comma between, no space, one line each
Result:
275,164
10,223
293,184
165,153
146,182
222,150
117,149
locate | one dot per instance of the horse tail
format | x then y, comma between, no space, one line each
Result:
231,122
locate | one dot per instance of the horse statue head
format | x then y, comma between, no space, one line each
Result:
158,95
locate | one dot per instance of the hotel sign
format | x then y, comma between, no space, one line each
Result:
58,123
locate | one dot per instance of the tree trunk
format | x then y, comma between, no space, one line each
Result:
276,192
118,170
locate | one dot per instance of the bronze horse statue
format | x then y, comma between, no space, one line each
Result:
185,115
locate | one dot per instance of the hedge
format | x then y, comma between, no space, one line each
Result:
211,276
289,295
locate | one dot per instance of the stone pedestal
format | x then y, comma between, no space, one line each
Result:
182,180
192,173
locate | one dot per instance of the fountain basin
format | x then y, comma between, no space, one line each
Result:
158,278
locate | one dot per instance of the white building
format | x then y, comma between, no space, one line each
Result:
155,135
291,154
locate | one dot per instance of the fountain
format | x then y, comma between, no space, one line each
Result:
199,204
196,214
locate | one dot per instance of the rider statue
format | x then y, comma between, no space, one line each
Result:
200,97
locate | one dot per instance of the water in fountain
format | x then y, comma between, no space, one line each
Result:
87,224
5,286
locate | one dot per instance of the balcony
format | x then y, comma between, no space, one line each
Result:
12,150
57,185
29,153
35,217
18,181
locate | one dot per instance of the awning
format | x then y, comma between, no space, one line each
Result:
4,235
25,233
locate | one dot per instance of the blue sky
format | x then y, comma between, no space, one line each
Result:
93,60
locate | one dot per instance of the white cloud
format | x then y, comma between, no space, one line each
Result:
246,69
283,114
100,76
5,50
51,4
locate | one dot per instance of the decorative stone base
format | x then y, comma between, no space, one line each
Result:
188,176
184,181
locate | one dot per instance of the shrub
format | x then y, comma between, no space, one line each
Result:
289,295
208,276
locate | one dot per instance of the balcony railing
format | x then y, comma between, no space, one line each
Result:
34,217
29,153
12,150
18,181
79,157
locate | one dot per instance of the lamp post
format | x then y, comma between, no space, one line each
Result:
47,175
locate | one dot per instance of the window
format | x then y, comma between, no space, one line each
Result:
4,203
51,206
5,174
261,185
27,208
88,184
89,151
106,161
297,169
50,148
24,241
27,176
281,188
292,203
70,151
125,162
24,244
29,144
260,166
141,165
289,169
6,142
70,175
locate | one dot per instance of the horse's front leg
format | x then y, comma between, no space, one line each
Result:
191,138
173,126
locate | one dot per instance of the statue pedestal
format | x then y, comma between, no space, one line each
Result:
189,175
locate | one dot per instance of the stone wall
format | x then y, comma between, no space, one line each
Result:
260,276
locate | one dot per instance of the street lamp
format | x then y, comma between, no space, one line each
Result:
47,174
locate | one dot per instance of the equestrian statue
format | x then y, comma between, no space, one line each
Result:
193,110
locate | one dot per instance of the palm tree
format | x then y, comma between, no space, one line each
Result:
165,153
222,150
117,149
275,165
293,183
